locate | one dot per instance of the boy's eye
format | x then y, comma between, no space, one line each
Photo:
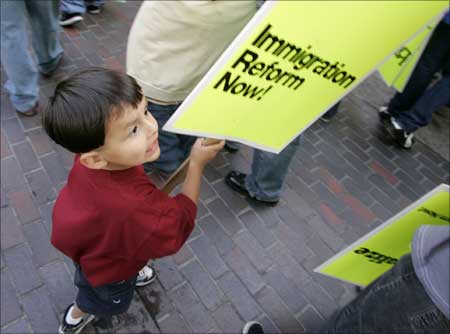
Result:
146,113
134,130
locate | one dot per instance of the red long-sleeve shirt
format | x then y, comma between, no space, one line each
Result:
112,222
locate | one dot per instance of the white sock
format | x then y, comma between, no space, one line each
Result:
396,124
70,320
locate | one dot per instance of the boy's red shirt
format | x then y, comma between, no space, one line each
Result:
112,222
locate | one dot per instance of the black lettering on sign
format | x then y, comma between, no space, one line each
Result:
375,257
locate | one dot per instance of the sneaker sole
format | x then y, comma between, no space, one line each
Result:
90,319
140,285
70,21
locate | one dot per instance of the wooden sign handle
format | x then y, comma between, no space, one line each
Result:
179,175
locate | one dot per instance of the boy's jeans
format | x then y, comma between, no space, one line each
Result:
22,83
77,6
174,148
395,303
266,180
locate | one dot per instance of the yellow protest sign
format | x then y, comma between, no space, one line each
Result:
374,254
398,69
292,62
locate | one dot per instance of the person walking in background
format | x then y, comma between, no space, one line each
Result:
42,16
171,46
413,108
72,11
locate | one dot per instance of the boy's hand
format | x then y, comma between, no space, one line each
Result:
201,154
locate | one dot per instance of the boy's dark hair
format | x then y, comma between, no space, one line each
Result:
77,115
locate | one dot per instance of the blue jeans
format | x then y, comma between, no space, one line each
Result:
421,114
77,6
266,180
174,148
436,57
22,83
394,303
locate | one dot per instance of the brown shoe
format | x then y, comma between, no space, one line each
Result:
30,112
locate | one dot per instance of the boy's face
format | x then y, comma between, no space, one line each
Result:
131,138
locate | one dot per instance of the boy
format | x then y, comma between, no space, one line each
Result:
109,218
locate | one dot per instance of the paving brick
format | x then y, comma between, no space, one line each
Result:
10,309
46,211
243,268
11,174
59,284
5,148
319,298
409,181
54,168
273,305
195,233
208,256
407,191
354,161
310,319
216,234
293,241
203,285
234,201
254,251
206,191
258,229
26,156
201,210
331,153
183,255
294,221
41,186
21,326
239,296
23,204
301,189
11,230
212,174
135,320
384,200
386,151
225,217
228,320
336,170
156,300
192,310
174,323
428,173
355,137
268,325
355,149
352,187
379,182
287,264
326,234
21,268
267,215
13,130
38,308
381,212
286,289
308,148
302,171
168,274
39,240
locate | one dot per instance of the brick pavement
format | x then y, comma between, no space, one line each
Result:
243,261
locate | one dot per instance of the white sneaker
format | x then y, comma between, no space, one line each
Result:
145,276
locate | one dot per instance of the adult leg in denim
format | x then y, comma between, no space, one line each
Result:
269,171
394,303
431,61
45,33
72,6
172,152
22,83
432,100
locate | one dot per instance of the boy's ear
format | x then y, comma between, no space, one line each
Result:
93,160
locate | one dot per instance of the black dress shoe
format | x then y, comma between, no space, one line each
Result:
236,181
